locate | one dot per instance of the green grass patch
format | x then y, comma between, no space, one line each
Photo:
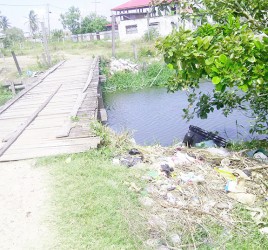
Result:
244,235
253,144
5,95
93,207
155,74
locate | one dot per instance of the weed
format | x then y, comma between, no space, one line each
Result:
147,77
119,142
5,95
254,144
151,35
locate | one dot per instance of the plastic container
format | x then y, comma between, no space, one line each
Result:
196,135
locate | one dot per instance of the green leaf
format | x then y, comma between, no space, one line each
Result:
216,80
209,61
244,88
170,53
170,66
252,59
258,44
223,58
219,87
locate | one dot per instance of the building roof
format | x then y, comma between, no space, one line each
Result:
133,4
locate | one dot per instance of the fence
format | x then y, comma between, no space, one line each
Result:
104,35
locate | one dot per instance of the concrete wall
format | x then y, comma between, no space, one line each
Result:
164,27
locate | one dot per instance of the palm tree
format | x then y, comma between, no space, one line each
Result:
33,22
4,23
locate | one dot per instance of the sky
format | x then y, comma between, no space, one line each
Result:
17,14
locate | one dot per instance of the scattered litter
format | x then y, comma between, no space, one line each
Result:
166,169
134,151
191,178
206,144
244,198
235,187
130,161
172,177
171,198
118,65
146,201
181,158
260,154
224,205
225,162
244,174
176,239
226,173
264,230
134,158
197,135
218,151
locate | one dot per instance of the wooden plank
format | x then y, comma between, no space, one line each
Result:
68,125
20,154
52,143
91,73
22,93
19,131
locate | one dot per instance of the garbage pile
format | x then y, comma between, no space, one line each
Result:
118,65
186,187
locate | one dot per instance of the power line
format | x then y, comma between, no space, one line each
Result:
58,7
20,5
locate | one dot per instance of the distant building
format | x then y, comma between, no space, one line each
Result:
135,17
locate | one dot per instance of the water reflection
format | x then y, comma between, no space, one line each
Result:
156,116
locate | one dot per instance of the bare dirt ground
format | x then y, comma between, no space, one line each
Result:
8,67
24,196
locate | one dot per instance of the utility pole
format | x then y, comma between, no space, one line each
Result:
48,21
45,44
113,35
95,2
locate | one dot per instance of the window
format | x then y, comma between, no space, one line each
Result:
131,29
154,25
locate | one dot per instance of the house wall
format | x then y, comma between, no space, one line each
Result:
164,27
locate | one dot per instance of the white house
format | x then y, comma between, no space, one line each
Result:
136,17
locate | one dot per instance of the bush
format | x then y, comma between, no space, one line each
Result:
151,35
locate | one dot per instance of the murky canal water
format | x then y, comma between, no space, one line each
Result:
156,116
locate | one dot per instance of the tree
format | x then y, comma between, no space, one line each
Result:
57,34
230,54
253,12
13,35
71,20
4,23
93,23
33,22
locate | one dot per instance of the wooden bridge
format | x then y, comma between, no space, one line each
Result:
53,115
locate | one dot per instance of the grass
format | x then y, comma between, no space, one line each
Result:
86,48
146,77
253,144
5,95
244,236
93,208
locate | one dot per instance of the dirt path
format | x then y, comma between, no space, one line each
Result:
24,196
